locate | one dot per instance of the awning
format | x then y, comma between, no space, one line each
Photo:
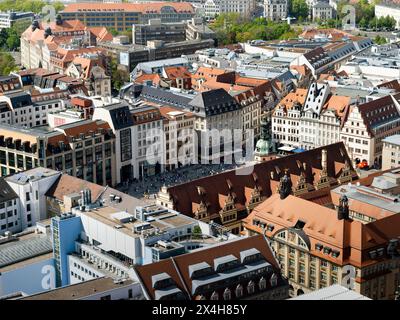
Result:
298,150
286,148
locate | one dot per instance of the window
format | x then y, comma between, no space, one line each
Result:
27,196
262,284
239,291
227,294
108,297
274,280
214,296
250,287
126,145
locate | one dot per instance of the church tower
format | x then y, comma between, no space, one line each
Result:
264,146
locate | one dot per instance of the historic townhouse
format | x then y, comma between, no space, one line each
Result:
286,118
318,246
179,139
310,118
367,125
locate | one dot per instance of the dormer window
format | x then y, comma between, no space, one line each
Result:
161,281
262,284
214,296
239,291
227,294
274,280
250,256
250,287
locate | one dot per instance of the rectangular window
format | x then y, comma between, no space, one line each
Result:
126,145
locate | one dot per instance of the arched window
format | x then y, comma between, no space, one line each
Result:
239,291
214,296
262,283
227,294
250,287
274,280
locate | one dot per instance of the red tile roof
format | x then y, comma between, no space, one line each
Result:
264,175
144,8
351,238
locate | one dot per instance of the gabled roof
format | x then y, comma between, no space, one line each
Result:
67,184
6,192
179,267
379,111
177,72
394,84
265,176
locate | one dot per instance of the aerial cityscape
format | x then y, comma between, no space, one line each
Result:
219,150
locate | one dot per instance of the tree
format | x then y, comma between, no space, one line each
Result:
299,9
380,40
13,42
59,6
231,28
197,232
7,64
118,77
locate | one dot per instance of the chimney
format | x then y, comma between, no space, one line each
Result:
343,209
324,160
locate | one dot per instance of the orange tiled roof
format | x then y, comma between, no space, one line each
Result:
352,239
340,104
290,99
154,77
177,72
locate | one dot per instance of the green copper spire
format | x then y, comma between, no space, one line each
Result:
264,145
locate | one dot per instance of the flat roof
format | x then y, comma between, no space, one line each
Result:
24,248
162,221
369,196
31,175
80,290
334,292
395,139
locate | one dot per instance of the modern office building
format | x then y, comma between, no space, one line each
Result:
194,29
10,18
83,149
121,16
131,56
